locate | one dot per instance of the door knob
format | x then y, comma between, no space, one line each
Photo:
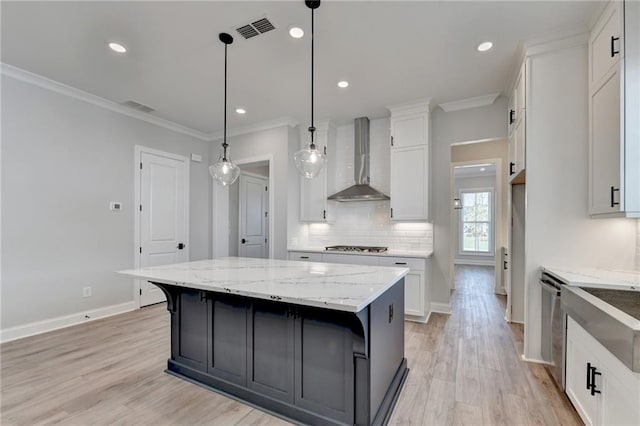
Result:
243,241
181,246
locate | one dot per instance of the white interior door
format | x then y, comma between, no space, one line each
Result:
252,230
163,216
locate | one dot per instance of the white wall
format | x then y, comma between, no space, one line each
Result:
252,146
448,128
63,161
558,228
361,223
475,182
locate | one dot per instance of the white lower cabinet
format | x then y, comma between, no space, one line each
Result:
417,300
602,389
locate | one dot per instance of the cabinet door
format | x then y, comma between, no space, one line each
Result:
579,356
512,154
409,183
270,351
414,293
189,330
227,352
409,130
520,145
511,117
619,400
313,198
606,39
520,95
605,142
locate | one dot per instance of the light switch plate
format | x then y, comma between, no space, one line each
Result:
196,158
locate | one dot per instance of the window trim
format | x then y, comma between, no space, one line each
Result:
492,223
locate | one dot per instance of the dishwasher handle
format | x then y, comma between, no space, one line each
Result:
549,287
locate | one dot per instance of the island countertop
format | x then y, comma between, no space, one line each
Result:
348,288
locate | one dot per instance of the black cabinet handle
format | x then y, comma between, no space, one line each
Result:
390,313
304,257
181,246
243,241
392,212
511,166
504,265
613,191
512,114
613,49
401,263
592,372
324,214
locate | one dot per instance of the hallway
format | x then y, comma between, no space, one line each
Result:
465,369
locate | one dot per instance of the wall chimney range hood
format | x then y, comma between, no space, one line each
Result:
361,191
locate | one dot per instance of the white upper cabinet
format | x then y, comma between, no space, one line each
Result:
517,127
314,206
614,112
409,186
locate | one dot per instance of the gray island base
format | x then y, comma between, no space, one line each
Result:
306,364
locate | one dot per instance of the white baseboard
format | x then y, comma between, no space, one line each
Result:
441,308
420,319
474,262
39,327
533,360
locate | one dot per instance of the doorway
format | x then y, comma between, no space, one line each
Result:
478,208
162,215
249,203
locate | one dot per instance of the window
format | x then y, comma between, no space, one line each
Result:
476,222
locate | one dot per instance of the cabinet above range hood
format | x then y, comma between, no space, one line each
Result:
361,191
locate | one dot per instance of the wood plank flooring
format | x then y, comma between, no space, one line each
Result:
465,369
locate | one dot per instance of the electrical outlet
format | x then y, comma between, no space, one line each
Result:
86,291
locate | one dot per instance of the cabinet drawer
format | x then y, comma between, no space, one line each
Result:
403,262
305,256
350,259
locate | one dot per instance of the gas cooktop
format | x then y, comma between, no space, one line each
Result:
361,249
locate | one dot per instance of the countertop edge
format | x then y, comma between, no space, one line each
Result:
389,253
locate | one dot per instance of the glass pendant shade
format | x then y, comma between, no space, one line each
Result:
224,171
309,161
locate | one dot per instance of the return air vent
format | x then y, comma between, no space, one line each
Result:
255,28
138,106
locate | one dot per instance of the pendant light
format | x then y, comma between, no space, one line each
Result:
224,172
310,160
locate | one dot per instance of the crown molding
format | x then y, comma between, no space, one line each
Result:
571,37
416,106
56,86
252,128
474,102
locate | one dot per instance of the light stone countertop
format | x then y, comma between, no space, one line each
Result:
389,253
340,287
598,278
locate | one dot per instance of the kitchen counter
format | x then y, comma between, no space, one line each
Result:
389,253
314,343
598,278
341,287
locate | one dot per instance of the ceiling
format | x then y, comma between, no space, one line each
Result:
390,52
476,170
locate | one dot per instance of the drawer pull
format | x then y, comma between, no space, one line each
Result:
613,191
304,257
401,263
613,49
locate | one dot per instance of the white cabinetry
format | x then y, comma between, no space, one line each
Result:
417,297
614,112
409,189
314,206
603,390
517,127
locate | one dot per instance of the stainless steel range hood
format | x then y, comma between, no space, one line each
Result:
361,191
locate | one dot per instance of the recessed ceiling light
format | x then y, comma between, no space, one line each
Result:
117,47
482,169
343,84
241,111
484,46
296,32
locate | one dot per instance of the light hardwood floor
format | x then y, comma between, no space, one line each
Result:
465,369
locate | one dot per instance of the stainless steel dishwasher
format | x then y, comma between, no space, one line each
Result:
553,326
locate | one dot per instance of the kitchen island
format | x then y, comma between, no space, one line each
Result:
311,342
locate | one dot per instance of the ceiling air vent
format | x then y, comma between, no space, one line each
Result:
138,106
255,28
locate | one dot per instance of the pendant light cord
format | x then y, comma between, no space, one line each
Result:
312,129
224,140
